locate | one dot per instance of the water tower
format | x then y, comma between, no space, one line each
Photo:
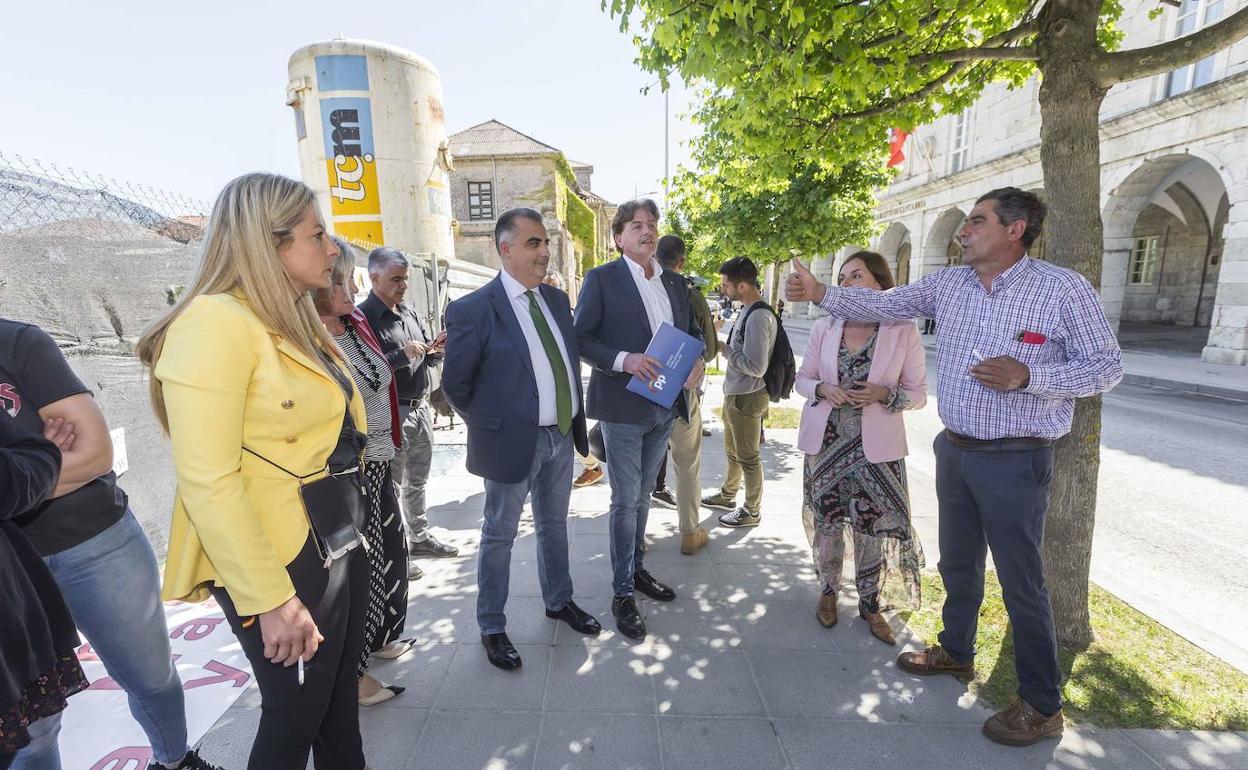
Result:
372,144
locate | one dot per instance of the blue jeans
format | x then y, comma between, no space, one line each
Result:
112,586
634,452
550,484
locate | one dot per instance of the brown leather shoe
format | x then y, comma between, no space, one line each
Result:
879,626
826,611
588,477
1021,725
934,660
694,541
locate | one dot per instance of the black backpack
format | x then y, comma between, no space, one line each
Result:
781,367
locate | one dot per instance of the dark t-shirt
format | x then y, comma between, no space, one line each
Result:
33,374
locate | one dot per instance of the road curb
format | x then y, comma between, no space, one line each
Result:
1234,394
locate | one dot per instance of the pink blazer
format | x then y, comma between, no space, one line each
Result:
898,360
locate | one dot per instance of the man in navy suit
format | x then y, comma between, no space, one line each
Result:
512,371
621,306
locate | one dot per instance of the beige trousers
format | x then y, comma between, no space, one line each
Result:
686,444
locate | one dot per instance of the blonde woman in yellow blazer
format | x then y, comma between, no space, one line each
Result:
244,361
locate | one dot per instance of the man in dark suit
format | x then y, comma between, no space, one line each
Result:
621,306
512,371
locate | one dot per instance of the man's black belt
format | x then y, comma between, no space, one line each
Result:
410,402
1012,444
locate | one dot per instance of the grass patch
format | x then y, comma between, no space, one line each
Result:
1137,673
778,417
712,371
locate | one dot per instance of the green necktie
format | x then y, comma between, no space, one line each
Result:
563,392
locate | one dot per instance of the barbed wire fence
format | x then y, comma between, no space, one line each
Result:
91,259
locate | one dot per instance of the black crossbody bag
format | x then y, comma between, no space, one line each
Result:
336,504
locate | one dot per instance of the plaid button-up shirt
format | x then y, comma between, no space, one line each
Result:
1075,355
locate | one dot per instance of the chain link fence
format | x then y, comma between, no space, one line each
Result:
93,261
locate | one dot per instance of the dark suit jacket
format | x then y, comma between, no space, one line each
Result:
610,318
488,378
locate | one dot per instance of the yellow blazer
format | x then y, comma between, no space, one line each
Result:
230,382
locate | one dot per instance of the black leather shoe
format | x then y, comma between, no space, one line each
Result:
432,547
499,650
580,620
627,618
643,581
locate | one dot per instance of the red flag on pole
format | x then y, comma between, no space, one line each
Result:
896,142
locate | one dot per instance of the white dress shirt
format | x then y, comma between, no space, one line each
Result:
547,413
653,296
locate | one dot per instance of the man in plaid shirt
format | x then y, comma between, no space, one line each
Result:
1018,341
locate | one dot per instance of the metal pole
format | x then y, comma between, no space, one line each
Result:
436,323
666,146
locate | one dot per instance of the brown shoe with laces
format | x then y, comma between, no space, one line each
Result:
826,611
692,542
879,626
1021,725
934,660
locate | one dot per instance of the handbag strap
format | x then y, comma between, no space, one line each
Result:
280,468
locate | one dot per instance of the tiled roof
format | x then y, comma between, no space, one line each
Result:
495,138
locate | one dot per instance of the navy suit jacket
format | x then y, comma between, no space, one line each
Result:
487,376
611,318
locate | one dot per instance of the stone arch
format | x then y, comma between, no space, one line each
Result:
1169,206
940,249
894,246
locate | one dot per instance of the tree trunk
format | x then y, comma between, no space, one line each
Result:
1070,101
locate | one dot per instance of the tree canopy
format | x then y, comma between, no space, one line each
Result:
813,212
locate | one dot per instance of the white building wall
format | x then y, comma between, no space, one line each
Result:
1144,137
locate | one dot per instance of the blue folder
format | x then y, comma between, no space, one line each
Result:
677,351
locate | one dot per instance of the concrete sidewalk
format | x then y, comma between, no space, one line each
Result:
736,673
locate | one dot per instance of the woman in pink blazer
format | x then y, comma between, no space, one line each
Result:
858,379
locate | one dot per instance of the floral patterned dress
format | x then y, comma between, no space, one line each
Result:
851,500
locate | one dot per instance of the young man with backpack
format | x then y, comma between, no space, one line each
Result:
750,378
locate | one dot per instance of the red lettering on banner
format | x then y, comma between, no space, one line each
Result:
135,757
194,630
223,673
87,655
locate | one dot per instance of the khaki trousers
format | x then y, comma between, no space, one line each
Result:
686,444
743,421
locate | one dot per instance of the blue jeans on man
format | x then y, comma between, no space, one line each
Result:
111,584
634,452
549,484
998,500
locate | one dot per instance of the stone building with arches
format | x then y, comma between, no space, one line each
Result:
1174,185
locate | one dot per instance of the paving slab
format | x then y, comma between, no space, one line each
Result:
600,678
472,684
598,742
1197,750
706,682
722,743
474,740
817,744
